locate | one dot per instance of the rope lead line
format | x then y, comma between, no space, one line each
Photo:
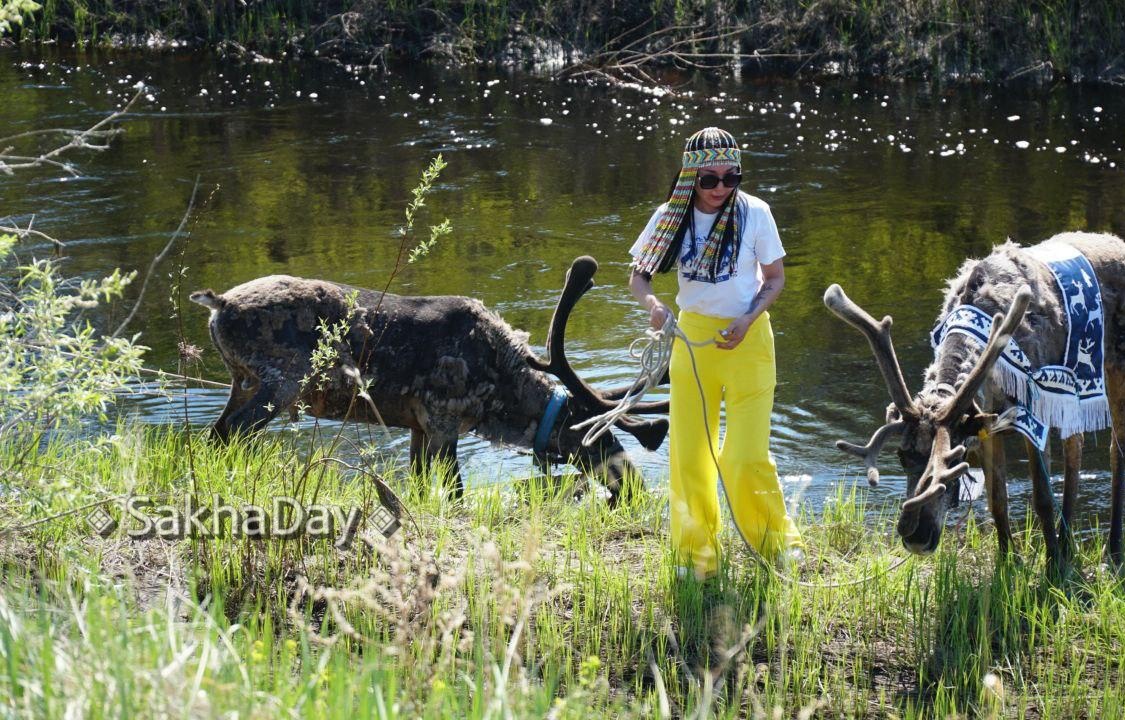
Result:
654,353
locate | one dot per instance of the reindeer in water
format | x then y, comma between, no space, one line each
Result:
440,366
961,397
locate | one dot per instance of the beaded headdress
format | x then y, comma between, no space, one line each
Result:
710,146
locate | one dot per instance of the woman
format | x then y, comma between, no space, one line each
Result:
728,256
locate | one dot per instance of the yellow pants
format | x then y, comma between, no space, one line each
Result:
743,379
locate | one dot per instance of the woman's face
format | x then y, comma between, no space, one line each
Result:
709,201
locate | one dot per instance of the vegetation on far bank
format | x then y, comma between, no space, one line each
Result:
945,38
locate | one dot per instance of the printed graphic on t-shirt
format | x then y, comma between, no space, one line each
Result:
691,251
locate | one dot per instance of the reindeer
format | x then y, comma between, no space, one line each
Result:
440,366
960,397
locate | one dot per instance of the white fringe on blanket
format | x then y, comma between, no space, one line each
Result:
1067,413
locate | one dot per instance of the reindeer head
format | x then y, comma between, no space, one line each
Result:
605,455
935,426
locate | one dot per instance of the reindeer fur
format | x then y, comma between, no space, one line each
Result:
440,366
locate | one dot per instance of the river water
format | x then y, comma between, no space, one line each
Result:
306,169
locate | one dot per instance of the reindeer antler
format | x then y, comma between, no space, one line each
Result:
617,393
878,334
938,473
998,339
579,279
870,451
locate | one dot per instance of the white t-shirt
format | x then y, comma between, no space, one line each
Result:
731,293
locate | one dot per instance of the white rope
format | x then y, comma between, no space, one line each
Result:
654,353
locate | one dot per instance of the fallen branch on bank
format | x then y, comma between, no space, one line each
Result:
633,61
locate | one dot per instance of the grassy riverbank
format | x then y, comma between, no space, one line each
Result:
517,603
946,38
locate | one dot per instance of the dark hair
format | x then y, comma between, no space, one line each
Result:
702,140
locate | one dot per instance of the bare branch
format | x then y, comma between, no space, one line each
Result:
657,47
26,163
87,139
22,233
59,131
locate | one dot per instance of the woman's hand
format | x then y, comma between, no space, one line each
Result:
658,313
773,280
641,287
735,332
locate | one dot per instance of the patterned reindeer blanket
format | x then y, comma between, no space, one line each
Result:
1070,395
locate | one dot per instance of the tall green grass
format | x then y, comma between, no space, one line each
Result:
516,602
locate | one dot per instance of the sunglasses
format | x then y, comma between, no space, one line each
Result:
710,182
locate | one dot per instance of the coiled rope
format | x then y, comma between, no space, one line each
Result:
653,352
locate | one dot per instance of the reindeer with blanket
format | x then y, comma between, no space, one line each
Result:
1027,339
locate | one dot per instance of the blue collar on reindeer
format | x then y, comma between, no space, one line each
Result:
547,422
1070,396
